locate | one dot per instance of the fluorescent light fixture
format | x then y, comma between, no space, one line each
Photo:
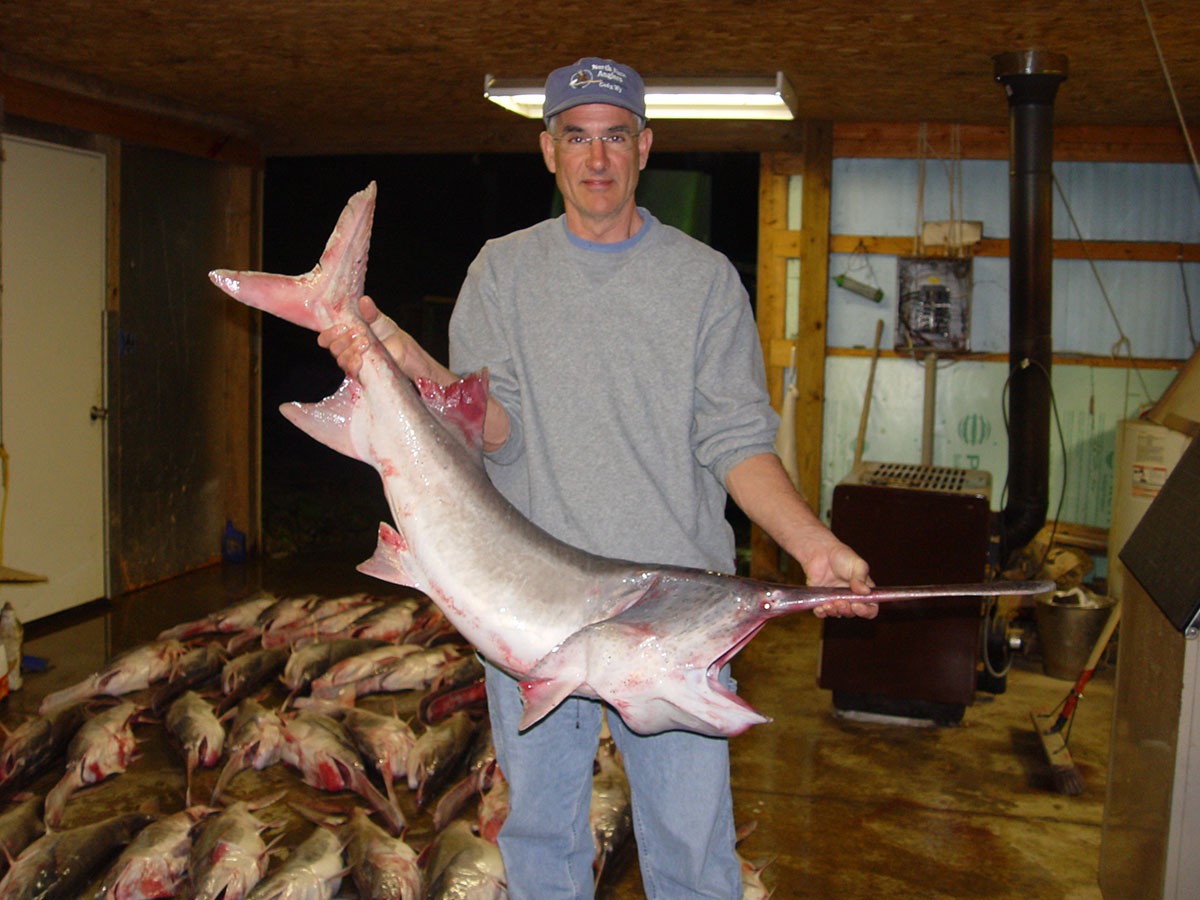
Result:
680,98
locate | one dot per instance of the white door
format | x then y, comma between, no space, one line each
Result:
52,283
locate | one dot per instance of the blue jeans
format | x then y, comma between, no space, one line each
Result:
679,782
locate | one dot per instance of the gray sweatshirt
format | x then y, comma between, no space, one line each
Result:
633,381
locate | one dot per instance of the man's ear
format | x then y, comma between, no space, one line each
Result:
547,144
645,138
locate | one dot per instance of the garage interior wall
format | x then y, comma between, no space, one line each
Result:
184,415
1126,233
182,360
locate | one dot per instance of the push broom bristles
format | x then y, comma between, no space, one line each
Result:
1065,775
1054,728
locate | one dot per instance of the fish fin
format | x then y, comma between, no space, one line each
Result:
235,764
189,771
706,708
388,810
61,699
328,420
288,296
541,696
393,560
315,299
460,406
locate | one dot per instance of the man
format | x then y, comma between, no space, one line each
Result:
626,399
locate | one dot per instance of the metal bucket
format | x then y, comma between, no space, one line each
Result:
1068,625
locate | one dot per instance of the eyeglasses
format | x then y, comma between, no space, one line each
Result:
578,143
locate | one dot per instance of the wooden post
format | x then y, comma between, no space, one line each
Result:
814,283
771,313
775,244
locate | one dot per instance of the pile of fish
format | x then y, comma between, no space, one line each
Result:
302,747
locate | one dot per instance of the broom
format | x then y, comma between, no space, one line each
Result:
1055,730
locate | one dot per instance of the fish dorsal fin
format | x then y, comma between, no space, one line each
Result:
459,406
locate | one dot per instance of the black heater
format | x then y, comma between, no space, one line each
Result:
913,525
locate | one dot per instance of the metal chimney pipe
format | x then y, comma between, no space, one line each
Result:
1031,79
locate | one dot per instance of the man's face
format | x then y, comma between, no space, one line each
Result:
597,179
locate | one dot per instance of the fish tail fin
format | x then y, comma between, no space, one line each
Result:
330,291
287,296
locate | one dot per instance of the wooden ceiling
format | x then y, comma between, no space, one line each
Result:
305,77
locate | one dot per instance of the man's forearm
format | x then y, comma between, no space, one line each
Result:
762,490
415,362
761,487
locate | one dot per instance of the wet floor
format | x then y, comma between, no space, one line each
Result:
843,809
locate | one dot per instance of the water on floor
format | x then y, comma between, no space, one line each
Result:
843,809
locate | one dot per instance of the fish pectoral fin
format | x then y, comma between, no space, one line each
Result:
541,696
328,420
459,406
393,560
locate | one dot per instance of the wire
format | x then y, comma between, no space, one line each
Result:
1062,443
1187,300
1123,340
1162,62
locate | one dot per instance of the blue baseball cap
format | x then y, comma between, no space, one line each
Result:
593,80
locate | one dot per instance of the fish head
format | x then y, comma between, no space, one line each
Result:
640,673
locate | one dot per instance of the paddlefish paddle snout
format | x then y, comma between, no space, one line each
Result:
780,600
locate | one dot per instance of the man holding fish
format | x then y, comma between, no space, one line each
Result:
627,401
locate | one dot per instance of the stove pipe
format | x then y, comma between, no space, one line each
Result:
1030,80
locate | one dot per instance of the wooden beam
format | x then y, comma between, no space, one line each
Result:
97,115
809,342
788,244
770,304
1077,143
239,194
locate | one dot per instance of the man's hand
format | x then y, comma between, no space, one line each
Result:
829,563
761,487
347,343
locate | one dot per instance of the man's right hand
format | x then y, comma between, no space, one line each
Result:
347,343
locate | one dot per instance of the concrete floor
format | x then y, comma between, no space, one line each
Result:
843,809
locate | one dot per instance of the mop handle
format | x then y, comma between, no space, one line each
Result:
1089,667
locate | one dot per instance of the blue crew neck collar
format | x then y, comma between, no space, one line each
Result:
617,247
